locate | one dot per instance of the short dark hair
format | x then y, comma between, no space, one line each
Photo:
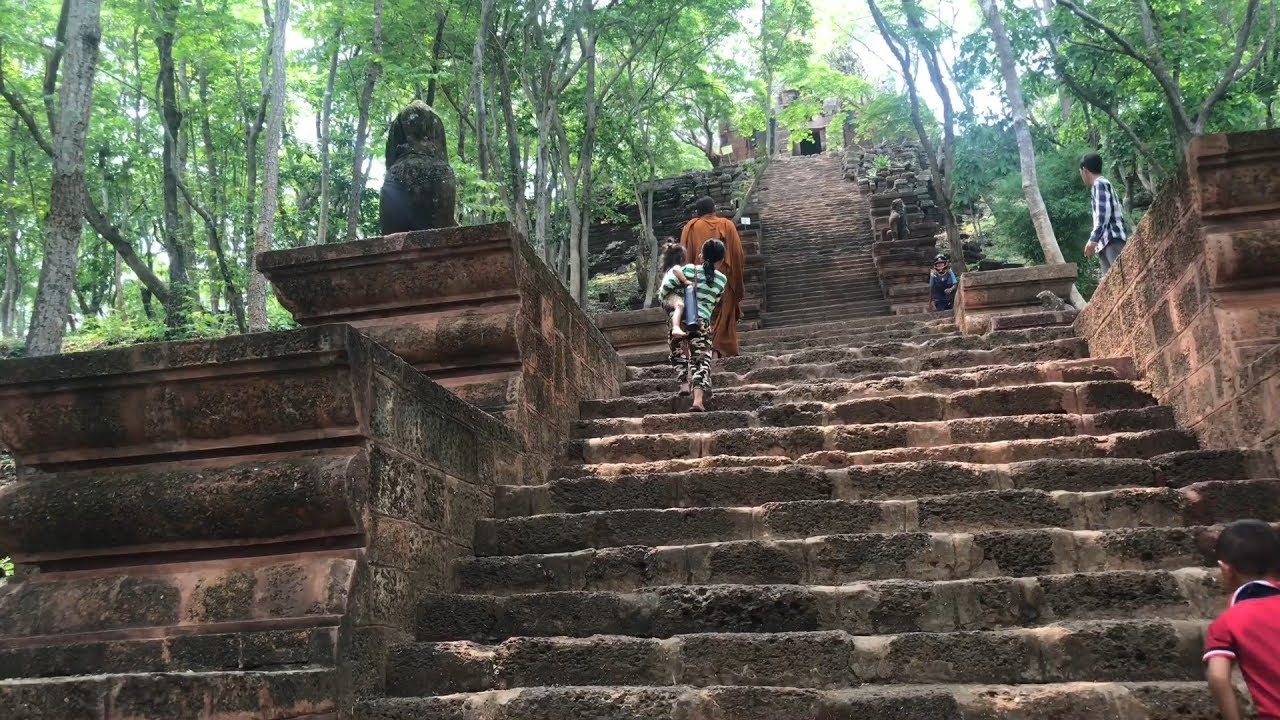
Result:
1252,547
672,255
1092,162
705,206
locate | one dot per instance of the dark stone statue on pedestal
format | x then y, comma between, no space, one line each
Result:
419,192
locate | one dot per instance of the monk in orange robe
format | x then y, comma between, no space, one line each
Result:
706,225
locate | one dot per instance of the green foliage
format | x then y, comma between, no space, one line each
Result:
887,118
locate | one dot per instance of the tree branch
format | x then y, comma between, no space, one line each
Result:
1229,76
1171,90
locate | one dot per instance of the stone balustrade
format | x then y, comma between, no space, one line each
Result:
1195,296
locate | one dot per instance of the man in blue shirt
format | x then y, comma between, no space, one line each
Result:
1108,237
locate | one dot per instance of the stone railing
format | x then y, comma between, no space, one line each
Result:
1195,296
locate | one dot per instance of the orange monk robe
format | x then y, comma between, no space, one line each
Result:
724,327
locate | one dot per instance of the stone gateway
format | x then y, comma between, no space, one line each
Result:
420,191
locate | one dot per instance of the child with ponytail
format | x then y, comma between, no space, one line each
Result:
709,284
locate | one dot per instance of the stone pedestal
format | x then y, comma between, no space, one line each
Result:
1195,296
473,308
984,296
232,528
639,336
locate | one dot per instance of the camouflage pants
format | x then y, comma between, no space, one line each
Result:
695,366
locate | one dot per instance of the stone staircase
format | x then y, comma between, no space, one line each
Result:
817,244
879,518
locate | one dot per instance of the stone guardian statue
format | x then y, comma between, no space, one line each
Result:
419,192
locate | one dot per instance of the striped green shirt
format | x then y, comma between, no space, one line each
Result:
708,292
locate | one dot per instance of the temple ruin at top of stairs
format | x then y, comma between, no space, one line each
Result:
453,495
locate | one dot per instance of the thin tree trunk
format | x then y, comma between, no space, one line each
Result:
180,287
9,295
271,170
477,89
326,116
442,17
516,174
1026,146
372,74
253,130
68,192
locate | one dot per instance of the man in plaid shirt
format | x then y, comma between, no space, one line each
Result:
1108,237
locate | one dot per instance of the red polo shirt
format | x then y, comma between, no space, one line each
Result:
1249,633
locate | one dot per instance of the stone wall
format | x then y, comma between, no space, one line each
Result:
1195,297
228,528
613,245
473,308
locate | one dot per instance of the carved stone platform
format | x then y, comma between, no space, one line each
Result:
473,308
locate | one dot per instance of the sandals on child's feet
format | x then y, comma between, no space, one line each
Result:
685,391
678,334
697,409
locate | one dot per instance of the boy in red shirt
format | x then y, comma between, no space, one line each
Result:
1248,633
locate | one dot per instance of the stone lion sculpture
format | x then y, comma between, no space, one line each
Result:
419,192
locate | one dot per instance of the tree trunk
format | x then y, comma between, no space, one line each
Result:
542,188
230,290
442,17
271,170
1026,147
516,174
180,286
253,124
580,223
477,89
326,116
362,127
68,192
9,294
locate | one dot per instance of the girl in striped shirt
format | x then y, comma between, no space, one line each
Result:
710,285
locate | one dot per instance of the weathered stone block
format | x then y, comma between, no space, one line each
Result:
473,306
1013,291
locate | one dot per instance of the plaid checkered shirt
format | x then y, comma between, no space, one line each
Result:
1108,218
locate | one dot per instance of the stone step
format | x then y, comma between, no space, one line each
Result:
806,316
1144,444
798,442
748,486
843,338
868,367
872,608
833,295
1020,509
934,382
902,329
866,325
1050,398
1089,651
1074,701
843,291
766,357
843,559
798,263
299,692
